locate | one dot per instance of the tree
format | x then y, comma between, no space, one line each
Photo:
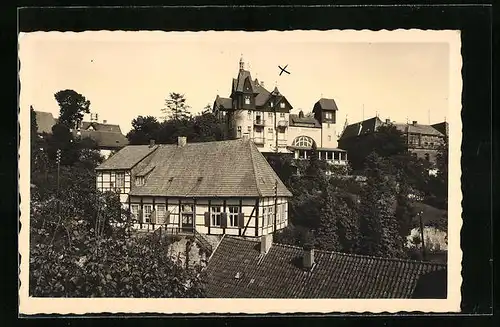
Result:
379,229
176,107
72,106
386,141
143,130
327,234
207,128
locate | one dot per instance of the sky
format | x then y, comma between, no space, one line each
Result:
127,74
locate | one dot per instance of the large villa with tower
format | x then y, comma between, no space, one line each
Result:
264,116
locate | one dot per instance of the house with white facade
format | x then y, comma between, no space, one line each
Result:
213,188
264,117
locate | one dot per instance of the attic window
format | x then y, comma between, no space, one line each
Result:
282,105
139,180
200,179
247,99
170,179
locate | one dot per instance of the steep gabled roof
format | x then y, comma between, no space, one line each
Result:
45,121
127,157
101,127
225,103
327,104
240,81
418,129
238,270
104,139
360,128
233,168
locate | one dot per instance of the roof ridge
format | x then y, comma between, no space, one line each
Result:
364,255
347,254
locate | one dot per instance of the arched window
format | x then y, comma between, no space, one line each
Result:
303,141
427,157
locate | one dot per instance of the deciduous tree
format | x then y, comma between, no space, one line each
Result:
72,106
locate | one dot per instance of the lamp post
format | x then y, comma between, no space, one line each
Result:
58,161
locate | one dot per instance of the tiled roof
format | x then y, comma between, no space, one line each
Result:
101,127
226,103
362,127
295,119
127,157
418,129
233,168
327,104
104,139
45,121
238,270
262,95
240,81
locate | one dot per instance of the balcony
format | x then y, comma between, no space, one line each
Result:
259,122
283,123
258,140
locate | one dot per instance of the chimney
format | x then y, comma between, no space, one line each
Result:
262,83
181,141
414,122
387,121
104,121
151,143
265,243
308,258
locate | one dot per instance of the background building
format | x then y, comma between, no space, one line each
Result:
421,140
264,117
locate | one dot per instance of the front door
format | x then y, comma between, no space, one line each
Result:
187,222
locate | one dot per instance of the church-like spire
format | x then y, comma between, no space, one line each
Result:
242,63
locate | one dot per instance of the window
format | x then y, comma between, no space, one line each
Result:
427,157
187,208
282,105
270,130
303,141
134,210
270,115
120,180
270,213
264,216
271,104
139,180
249,129
328,125
282,114
160,213
249,114
329,137
147,210
233,216
247,99
216,215
283,213
239,131
328,115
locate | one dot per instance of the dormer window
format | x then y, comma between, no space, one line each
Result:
247,99
328,115
139,180
282,105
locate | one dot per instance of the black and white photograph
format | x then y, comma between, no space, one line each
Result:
186,172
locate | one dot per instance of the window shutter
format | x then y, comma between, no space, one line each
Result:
223,219
241,220
166,218
207,219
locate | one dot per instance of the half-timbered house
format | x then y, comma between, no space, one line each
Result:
213,188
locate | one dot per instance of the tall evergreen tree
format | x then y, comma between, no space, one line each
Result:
176,107
327,234
379,229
